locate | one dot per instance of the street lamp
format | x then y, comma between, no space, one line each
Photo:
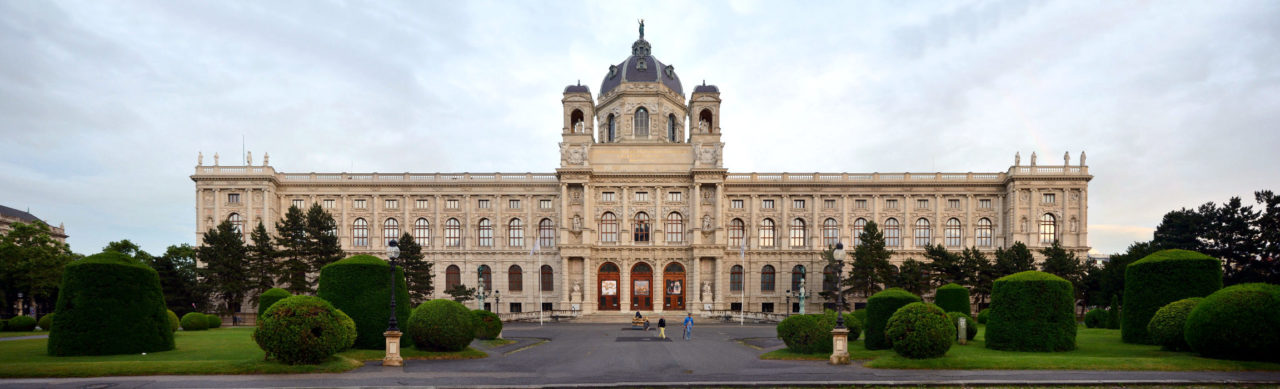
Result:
788,307
839,257
497,301
839,335
393,331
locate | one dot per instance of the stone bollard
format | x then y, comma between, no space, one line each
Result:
393,349
840,346
961,331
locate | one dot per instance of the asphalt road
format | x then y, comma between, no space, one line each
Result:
609,355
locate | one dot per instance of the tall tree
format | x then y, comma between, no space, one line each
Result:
1181,229
262,262
1062,263
871,266
323,247
417,271
1016,258
225,272
913,277
1230,234
945,266
981,271
179,280
291,238
1268,225
31,263
126,247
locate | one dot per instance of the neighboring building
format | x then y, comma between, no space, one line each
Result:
8,216
641,214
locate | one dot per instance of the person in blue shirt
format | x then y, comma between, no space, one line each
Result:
688,326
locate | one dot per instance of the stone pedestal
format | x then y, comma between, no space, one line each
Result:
840,346
393,349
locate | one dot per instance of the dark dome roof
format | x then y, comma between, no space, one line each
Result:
641,67
576,89
704,88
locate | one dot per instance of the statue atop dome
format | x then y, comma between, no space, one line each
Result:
641,29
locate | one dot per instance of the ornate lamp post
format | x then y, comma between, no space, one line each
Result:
839,335
497,301
480,289
788,306
393,331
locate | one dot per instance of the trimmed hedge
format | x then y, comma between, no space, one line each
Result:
1096,318
304,330
109,303
920,330
861,315
46,322
21,324
487,324
1166,327
805,334
1032,311
1113,314
174,323
358,285
441,325
984,315
880,307
194,321
1238,322
214,321
1159,279
953,298
970,325
270,297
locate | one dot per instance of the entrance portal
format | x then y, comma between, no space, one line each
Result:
641,287
673,287
608,287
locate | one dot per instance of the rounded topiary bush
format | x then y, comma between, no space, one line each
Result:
21,323
970,325
983,315
441,325
1032,311
109,304
805,334
487,324
861,316
194,321
214,321
46,322
953,298
303,330
270,297
1238,322
880,307
360,287
920,330
1166,327
174,323
1159,279
1096,318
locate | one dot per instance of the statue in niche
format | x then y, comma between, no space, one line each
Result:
1023,225
200,158
707,296
702,126
706,222
1017,158
266,159
577,292
579,128
248,158
215,159
1033,158
1073,224
577,223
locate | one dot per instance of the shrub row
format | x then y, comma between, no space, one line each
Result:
21,323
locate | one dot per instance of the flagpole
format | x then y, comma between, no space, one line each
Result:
536,244
742,315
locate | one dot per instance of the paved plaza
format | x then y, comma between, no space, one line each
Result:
615,355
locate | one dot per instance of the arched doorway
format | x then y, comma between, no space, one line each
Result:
673,287
641,287
608,287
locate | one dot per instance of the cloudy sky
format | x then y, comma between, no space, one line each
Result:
104,104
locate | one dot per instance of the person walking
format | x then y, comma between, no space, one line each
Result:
688,326
662,327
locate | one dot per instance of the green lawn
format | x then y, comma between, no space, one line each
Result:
217,351
1096,349
8,334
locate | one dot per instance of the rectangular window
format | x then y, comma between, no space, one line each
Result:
606,196
675,196
766,307
359,204
735,306
547,307
233,198
515,307
984,204
953,203
735,204
766,204
829,204
391,204
482,204
298,203
797,204
860,204
513,204
544,204
329,203
451,204
922,204
1049,198
891,204
420,204
642,196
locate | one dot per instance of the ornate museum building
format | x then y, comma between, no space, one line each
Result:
642,215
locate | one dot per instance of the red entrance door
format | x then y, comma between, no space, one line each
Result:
642,287
673,287
607,287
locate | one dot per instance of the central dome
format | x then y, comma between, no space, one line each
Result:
641,66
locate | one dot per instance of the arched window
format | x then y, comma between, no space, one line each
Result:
360,233
515,278
546,233
737,229
829,278
953,234
642,123
984,232
390,229
766,278
548,279
797,276
613,129
1048,228
735,278
675,227
641,227
452,277
858,226
422,232
830,232
452,233
486,277
515,233
237,223
608,227
798,233
671,128
766,233
922,232
891,233
485,236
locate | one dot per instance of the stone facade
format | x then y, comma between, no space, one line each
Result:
643,208
9,216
